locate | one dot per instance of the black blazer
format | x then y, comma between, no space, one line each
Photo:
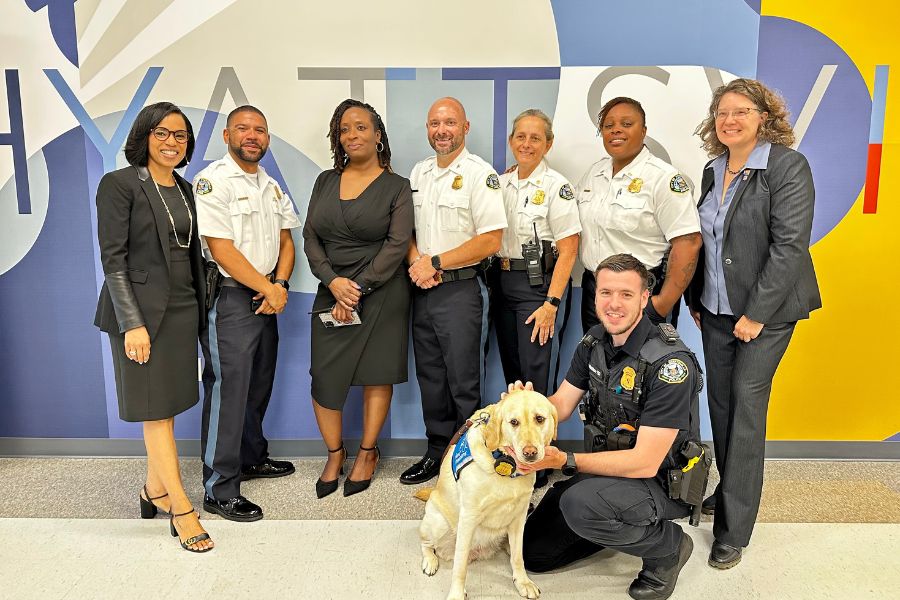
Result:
133,231
770,277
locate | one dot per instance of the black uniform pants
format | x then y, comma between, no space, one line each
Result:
589,304
449,328
513,301
240,349
739,383
586,513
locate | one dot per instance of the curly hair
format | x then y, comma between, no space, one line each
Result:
334,135
615,102
775,129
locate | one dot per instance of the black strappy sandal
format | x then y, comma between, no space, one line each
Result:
148,509
190,541
323,488
354,487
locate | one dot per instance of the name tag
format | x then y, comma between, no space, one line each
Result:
244,198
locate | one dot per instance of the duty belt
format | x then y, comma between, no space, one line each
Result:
231,282
512,264
449,275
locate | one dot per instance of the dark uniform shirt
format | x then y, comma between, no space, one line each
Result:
665,405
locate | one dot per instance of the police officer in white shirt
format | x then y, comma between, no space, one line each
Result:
244,219
634,203
529,308
459,222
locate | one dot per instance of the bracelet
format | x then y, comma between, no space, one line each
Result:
415,261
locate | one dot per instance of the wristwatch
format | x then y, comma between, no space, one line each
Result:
436,262
283,283
570,468
553,300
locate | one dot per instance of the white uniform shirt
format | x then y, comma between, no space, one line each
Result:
249,210
544,199
621,215
446,218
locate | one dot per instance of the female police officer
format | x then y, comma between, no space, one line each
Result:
526,303
634,203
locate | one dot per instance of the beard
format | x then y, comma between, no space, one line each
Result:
245,156
455,144
621,327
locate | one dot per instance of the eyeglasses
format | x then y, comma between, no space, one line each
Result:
738,113
162,134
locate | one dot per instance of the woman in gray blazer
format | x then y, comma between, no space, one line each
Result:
754,281
153,299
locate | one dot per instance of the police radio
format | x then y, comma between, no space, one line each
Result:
531,252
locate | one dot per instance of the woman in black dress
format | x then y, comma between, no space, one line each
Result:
357,231
153,298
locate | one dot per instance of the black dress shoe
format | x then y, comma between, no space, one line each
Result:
659,583
422,471
234,509
354,487
722,556
268,468
709,506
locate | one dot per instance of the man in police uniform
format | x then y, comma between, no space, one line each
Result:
620,498
644,208
459,222
244,219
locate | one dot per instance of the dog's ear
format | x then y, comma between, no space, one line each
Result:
492,427
555,415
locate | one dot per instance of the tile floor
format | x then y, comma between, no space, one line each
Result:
319,560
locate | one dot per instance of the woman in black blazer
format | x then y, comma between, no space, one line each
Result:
754,281
153,298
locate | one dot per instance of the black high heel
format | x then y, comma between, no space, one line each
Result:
148,509
323,488
190,541
354,487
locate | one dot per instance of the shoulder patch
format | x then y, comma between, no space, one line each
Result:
674,371
203,186
493,181
566,193
678,185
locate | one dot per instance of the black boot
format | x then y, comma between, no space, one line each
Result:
658,583
722,556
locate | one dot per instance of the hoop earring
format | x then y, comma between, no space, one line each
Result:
377,149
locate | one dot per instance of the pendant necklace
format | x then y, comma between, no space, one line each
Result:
172,221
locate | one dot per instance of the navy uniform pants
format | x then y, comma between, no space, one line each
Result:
586,513
589,304
449,327
240,349
513,301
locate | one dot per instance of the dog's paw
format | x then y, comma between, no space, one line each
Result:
527,588
429,564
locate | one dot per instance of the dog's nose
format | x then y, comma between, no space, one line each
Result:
530,452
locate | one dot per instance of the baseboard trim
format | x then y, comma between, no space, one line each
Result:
131,448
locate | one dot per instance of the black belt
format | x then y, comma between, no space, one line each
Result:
231,282
512,264
449,275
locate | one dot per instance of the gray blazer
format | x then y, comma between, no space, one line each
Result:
770,277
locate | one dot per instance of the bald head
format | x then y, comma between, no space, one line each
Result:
447,128
451,103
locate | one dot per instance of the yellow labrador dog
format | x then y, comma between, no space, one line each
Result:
474,509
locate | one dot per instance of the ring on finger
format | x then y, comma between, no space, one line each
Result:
132,353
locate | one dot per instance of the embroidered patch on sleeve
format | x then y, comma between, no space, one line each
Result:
493,181
674,371
679,185
204,186
566,193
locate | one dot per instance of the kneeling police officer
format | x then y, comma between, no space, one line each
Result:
643,464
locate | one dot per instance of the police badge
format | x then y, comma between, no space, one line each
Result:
538,197
628,376
635,186
493,181
203,186
457,182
